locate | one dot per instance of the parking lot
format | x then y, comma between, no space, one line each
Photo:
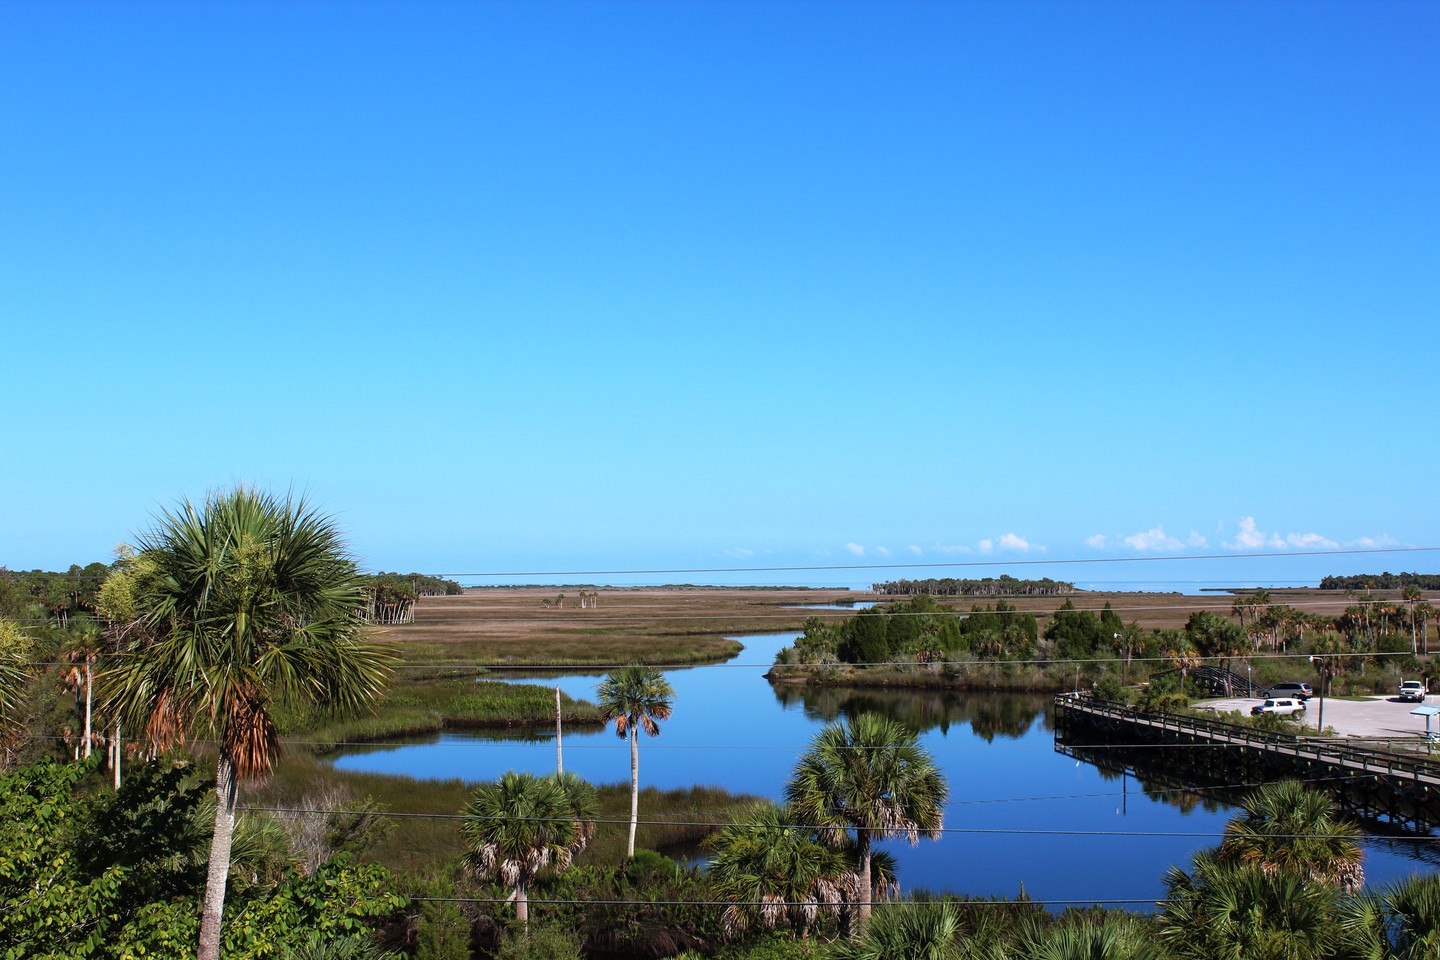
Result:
1374,718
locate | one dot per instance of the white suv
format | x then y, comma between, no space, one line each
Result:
1280,705
1413,691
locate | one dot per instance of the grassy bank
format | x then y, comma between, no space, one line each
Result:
428,835
422,705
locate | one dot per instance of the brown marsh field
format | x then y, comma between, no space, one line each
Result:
522,625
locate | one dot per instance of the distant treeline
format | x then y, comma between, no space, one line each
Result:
50,594
1382,581
414,584
390,597
1003,586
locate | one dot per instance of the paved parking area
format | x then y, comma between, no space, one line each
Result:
1377,717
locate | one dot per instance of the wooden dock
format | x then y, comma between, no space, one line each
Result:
1389,787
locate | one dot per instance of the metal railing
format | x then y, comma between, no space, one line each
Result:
1388,762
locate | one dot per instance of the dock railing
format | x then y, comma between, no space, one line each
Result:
1339,753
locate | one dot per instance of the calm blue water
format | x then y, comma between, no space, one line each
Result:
730,728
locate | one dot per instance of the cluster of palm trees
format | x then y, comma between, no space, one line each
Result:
1282,885
861,780
523,824
1273,626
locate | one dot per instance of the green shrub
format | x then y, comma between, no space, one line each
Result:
540,941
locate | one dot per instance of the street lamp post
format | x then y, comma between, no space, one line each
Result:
1322,666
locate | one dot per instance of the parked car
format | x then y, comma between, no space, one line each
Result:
1296,691
1280,705
1413,690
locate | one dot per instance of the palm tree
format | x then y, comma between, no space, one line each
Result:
771,870
913,929
1111,937
1412,595
1289,828
242,602
522,824
635,697
869,775
1401,922
1221,912
14,674
82,651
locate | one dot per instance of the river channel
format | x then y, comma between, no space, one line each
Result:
1021,815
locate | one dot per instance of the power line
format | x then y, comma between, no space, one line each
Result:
948,831
970,665
886,904
802,568
937,565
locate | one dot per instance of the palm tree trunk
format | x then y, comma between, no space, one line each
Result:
634,789
219,868
89,689
867,888
117,755
522,904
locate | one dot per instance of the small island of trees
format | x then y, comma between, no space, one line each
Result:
1001,586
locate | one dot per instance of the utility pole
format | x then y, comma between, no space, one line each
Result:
559,755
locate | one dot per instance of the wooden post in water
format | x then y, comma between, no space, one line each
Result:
559,756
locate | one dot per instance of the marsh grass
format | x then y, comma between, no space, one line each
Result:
427,836
429,704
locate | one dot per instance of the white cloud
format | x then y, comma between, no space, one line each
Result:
740,553
1019,544
856,549
952,548
1008,541
1310,541
1374,543
1249,536
883,551
1153,539
914,549
1146,540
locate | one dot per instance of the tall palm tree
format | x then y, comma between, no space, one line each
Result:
772,870
83,650
1289,828
869,775
241,602
636,698
522,824
1412,595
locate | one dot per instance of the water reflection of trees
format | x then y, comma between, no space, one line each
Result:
1113,766
987,714
1140,768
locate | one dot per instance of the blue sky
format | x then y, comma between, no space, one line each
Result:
602,286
